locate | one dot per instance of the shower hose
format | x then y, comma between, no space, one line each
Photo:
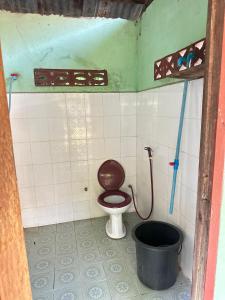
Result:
149,150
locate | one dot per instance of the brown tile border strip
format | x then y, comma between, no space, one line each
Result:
168,65
69,77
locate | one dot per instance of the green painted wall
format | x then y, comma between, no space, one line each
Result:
167,26
34,41
126,49
219,283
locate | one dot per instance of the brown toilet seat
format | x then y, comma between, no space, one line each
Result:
125,202
111,177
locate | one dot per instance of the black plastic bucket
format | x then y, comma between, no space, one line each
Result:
158,245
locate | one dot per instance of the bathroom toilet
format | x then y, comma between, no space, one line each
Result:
114,202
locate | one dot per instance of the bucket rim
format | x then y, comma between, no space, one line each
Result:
165,248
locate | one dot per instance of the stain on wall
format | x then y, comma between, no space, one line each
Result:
34,41
126,49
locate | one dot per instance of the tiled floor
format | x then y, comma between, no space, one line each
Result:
76,260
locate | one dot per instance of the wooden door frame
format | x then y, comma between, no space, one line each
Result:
14,275
211,160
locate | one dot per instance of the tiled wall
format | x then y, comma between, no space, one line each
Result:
60,140
157,125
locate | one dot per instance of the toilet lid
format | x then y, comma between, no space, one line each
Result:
111,175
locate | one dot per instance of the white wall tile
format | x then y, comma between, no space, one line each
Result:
62,172
40,152
56,106
111,104
128,103
112,147
64,212
58,129
36,105
19,105
79,192
128,146
25,175
194,99
75,105
94,127
43,174
60,142
81,210
77,128
96,148
46,215
78,150
29,217
22,153
60,151
128,126
79,171
129,165
20,130
45,195
93,104
111,126
39,130
27,197
190,140
63,193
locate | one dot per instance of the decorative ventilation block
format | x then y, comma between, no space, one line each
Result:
68,77
168,65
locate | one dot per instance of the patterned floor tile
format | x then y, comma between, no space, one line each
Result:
109,252
65,227
159,295
79,261
122,287
42,282
45,239
82,223
84,232
92,272
90,256
96,291
48,228
104,241
41,251
43,265
86,244
69,293
66,261
43,296
66,277
62,237
115,268
65,248
31,230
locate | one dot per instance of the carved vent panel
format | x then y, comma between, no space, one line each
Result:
68,77
168,65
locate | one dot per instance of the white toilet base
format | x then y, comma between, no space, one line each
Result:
115,228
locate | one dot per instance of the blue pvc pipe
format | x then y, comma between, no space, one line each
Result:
176,160
10,93
13,77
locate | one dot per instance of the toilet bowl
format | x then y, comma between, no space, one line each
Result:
114,202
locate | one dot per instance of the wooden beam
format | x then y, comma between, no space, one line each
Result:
217,188
207,149
14,276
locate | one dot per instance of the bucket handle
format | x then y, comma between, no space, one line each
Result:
180,249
